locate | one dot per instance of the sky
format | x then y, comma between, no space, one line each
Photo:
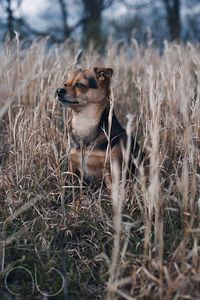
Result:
32,8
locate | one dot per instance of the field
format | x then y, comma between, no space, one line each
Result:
143,242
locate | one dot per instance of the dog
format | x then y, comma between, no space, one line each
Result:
87,93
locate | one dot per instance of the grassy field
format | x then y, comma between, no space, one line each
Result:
143,242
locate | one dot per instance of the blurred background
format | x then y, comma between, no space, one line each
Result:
92,22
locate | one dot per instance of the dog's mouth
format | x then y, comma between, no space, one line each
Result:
67,101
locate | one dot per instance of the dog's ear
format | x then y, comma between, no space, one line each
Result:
77,60
103,73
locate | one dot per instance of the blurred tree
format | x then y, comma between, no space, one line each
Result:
141,21
57,27
156,15
191,28
173,18
10,19
64,15
127,27
92,21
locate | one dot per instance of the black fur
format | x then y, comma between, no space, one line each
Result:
118,136
92,83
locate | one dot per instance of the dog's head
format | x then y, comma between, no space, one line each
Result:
84,87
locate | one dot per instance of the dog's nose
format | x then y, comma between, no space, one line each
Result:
61,92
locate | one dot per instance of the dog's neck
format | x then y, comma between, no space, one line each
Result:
85,123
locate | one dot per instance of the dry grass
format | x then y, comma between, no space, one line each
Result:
144,242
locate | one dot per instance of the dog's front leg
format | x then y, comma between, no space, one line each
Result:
108,183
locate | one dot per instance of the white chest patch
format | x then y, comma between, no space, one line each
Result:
84,122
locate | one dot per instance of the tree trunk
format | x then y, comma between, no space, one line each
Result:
66,31
92,22
173,18
10,20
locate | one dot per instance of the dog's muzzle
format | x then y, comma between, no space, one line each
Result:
62,96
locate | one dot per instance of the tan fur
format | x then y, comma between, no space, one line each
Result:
95,164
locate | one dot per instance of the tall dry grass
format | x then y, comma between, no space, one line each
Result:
143,241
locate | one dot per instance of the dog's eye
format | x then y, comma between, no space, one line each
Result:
79,85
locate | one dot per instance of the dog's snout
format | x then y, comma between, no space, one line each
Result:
61,92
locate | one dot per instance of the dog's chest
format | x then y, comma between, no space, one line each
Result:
84,125
89,163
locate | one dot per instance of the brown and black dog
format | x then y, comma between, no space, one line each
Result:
87,93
